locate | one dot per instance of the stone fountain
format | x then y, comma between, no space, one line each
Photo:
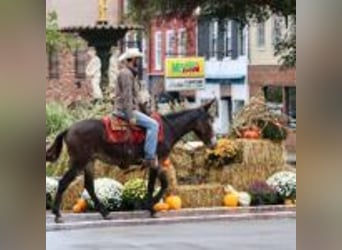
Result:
102,36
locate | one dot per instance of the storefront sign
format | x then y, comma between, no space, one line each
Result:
188,67
184,73
179,84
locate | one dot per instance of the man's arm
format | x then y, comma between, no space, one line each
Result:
126,82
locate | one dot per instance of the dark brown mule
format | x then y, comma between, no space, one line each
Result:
86,142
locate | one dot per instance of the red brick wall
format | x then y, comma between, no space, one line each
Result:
261,75
174,23
64,89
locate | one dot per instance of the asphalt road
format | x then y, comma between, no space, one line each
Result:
276,234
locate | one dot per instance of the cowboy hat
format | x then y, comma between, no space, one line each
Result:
130,53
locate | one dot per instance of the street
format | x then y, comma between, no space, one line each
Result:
275,234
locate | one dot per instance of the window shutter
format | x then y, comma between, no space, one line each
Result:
235,40
220,40
203,38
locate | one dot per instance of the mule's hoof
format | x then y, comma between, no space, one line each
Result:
153,214
107,216
59,220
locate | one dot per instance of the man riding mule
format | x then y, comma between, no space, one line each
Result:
126,104
88,140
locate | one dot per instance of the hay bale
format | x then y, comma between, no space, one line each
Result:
72,193
261,152
207,195
189,161
241,176
172,178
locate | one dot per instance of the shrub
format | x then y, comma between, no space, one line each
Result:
58,118
108,191
285,184
263,194
134,194
273,131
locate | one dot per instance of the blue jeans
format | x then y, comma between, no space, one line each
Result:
152,130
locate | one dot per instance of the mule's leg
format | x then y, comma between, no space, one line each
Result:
63,184
89,185
164,185
153,172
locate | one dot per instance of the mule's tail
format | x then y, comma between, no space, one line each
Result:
53,152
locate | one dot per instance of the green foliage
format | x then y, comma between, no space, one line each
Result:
57,118
287,49
134,194
272,131
55,39
263,194
243,11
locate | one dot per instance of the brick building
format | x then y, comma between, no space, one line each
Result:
174,36
264,72
65,73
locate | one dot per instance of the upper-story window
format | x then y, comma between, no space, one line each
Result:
213,34
228,41
170,42
261,35
182,42
131,39
276,30
53,61
80,63
158,50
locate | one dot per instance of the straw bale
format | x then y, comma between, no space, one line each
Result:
241,176
261,152
206,195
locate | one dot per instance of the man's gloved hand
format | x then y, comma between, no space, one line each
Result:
133,121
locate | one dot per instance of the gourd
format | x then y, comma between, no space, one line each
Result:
161,207
174,202
80,206
231,200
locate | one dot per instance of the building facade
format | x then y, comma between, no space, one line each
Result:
65,73
224,44
174,36
265,73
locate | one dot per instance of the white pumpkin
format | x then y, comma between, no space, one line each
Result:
244,199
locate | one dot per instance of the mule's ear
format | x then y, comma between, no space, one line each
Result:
207,106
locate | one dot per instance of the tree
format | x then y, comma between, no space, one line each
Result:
55,39
243,11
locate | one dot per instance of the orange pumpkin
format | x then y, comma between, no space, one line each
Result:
82,203
161,207
77,209
231,200
251,134
174,202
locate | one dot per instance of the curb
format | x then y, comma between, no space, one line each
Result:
87,221
183,212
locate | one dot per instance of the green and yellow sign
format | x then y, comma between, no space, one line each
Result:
189,67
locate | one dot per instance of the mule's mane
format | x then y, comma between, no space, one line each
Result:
178,114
